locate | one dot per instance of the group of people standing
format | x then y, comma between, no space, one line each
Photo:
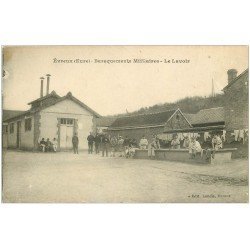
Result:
93,141
119,145
97,143
125,146
115,145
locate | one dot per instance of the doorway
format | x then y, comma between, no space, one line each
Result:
66,133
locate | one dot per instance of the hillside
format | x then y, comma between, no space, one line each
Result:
187,105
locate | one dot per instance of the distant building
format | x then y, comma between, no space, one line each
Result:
167,123
228,120
136,126
49,116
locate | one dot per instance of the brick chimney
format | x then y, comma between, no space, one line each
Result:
41,90
48,79
231,74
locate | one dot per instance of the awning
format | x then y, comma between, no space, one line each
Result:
196,129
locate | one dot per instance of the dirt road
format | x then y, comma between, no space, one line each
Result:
65,177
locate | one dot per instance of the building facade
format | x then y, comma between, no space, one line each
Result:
50,116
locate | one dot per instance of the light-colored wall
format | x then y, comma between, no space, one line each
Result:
27,137
27,141
66,109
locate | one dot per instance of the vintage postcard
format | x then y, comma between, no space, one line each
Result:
125,124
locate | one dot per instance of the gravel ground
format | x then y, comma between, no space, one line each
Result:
65,177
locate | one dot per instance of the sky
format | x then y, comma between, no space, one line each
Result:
116,87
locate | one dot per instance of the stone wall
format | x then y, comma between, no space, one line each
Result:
236,104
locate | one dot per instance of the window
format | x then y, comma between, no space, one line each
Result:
5,129
11,128
70,121
67,121
28,124
63,121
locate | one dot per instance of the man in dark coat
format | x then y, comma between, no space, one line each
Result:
97,142
48,145
91,140
126,146
42,144
75,143
104,144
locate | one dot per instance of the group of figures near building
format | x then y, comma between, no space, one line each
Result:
48,146
107,145
205,138
126,147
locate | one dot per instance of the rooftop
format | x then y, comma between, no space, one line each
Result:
143,119
8,114
52,94
205,116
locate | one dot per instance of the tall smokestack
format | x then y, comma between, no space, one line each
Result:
48,78
41,90
231,74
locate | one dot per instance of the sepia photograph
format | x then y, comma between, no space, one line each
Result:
125,124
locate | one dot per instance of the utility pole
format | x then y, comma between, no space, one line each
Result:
213,94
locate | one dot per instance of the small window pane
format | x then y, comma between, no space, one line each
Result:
63,121
70,121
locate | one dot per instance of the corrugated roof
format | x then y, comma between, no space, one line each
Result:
8,114
143,119
190,117
205,116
